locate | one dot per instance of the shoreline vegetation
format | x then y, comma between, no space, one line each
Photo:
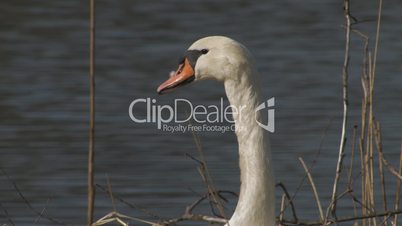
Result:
364,143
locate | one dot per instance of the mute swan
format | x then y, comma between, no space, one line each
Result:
225,60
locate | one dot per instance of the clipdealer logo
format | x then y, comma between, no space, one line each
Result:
210,117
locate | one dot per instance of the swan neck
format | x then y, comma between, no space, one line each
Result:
256,201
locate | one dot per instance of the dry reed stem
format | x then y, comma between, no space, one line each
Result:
332,206
118,218
352,157
398,187
282,210
377,38
362,161
350,174
91,150
362,138
391,169
370,145
367,162
377,135
314,189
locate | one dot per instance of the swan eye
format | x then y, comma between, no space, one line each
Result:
204,51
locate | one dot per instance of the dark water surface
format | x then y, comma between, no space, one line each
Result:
298,46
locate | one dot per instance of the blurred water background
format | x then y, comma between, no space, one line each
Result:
298,46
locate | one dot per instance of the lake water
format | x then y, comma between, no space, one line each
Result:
298,47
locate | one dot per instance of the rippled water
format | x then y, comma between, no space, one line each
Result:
298,46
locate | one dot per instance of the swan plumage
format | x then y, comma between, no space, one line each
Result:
226,60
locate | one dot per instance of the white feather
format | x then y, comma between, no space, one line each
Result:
230,62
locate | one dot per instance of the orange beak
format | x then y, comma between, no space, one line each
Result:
183,75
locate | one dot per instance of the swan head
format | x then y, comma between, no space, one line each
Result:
214,57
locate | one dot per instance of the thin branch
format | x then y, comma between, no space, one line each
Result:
385,221
377,38
310,178
41,213
281,185
109,188
7,215
118,198
38,213
91,150
355,199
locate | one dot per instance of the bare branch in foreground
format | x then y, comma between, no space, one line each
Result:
281,185
36,212
116,197
310,178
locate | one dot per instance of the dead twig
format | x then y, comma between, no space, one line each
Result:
109,187
38,213
314,189
290,200
118,198
282,211
189,216
118,218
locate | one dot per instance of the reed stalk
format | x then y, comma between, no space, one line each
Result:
91,150
398,188
345,75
